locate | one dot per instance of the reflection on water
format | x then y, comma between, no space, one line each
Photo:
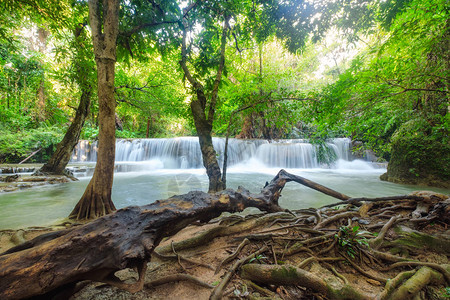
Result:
51,204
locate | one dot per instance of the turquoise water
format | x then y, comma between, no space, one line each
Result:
47,205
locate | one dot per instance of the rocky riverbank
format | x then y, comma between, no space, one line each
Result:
15,177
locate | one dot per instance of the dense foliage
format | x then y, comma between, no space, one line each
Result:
394,97
376,71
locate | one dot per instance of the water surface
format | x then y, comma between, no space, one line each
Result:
47,205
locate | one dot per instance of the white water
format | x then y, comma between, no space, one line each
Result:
184,152
161,175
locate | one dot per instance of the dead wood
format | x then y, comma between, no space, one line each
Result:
128,238
124,239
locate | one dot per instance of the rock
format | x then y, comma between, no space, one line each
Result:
18,237
12,178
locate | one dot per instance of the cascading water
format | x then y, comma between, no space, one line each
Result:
151,169
184,152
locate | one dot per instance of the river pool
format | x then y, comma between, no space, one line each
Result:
51,204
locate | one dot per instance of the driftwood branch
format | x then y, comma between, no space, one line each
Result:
124,239
128,238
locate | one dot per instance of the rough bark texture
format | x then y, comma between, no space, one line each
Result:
203,117
61,157
96,200
124,239
204,128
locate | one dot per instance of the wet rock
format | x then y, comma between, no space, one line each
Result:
18,237
12,178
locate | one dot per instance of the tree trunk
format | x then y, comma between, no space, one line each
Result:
247,128
41,93
124,239
204,120
147,134
96,200
42,99
61,157
209,156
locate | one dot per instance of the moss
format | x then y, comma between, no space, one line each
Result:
416,239
288,272
418,157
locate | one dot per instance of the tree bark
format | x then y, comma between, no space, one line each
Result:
96,200
204,128
124,239
61,157
204,120
41,92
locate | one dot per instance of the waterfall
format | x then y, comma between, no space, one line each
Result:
184,152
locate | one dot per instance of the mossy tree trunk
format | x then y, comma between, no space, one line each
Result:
61,157
104,20
203,109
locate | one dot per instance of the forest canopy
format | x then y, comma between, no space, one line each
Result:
375,71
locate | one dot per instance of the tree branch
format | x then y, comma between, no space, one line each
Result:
215,90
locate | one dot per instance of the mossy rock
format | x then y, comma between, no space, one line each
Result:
418,158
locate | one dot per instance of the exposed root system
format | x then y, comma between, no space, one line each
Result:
386,248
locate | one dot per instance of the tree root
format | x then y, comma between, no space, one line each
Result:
357,201
334,218
233,255
291,275
178,277
180,258
309,260
261,290
218,231
392,284
300,245
443,269
376,242
415,283
367,274
218,291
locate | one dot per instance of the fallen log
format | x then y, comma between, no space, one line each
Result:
124,239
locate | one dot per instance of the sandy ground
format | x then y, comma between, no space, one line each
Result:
211,254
